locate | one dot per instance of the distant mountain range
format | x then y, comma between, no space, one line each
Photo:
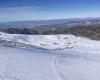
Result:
85,27
68,22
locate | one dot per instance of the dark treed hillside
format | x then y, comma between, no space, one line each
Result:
89,31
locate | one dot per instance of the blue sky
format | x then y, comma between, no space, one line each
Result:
19,10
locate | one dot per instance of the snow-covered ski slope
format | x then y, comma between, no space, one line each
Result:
79,58
36,64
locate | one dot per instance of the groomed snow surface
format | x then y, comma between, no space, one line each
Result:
79,59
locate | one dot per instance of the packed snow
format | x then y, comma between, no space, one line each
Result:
76,58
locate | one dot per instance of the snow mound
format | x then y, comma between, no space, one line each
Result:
51,42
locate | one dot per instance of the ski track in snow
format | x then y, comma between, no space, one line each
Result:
21,64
